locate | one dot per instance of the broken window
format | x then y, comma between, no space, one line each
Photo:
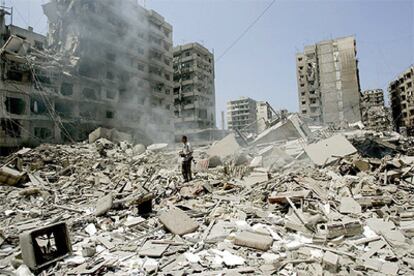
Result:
109,75
15,105
38,45
89,93
11,127
110,114
66,89
38,106
63,109
87,69
87,111
14,75
141,67
42,133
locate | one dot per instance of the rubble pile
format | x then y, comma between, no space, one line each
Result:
275,208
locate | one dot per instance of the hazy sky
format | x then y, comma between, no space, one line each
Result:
262,64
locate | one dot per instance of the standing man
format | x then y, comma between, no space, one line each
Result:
187,156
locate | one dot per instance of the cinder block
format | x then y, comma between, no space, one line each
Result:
44,246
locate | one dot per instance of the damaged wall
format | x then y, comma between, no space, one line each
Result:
104,64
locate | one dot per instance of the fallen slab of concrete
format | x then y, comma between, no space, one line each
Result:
328,150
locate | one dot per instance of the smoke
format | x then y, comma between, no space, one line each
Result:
125,59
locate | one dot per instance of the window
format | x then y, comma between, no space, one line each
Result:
42,133
38,45
141,67
110,94
109,75
66,89
38,106
15,105
89,93
109,114
11,128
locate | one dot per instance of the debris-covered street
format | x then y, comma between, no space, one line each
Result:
257,210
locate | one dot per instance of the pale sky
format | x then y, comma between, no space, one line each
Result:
262,64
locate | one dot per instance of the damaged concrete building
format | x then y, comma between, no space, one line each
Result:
374,113
264,115
401,93
328,82
194,91
248,115
105,63
242,114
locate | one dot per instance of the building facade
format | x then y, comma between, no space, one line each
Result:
328,81
373,112
242,114
264,115
107,64
194,92
401,93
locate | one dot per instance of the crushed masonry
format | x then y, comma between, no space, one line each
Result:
126,210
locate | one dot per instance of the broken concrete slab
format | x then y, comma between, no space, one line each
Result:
103,205
328,150
226,147
330,261
178,222
348,205
281,198
290,129
112,135
254,240
151,249
9,176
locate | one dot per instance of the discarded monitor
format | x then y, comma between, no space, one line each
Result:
44,246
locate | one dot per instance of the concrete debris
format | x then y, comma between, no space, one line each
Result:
177,222
329,150
228,146
290,129
112,135
103,205
127,209
253,240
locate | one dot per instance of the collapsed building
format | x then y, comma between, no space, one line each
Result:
105,63
328,82
374,114
401,93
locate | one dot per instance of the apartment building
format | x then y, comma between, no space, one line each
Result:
328,82
373,112
109,63
194,92
242,114
401,93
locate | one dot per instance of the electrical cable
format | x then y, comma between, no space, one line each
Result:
245,31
